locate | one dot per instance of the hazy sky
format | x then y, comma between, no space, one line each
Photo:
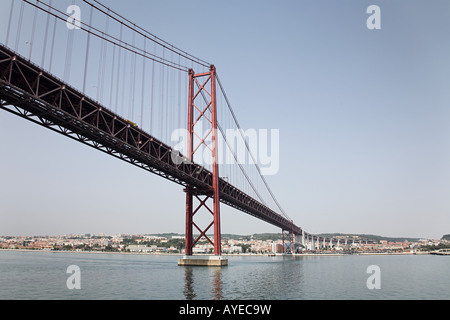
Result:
364,120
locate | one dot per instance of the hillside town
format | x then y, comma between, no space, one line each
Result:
174,244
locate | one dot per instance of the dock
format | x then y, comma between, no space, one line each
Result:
441,252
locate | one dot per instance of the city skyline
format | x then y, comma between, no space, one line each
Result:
362,115
227,236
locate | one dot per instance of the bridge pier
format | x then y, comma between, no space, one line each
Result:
302,240
203,261
306,241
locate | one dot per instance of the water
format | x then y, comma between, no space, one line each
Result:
42,275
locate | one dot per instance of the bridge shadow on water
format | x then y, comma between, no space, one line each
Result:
189,290
256,277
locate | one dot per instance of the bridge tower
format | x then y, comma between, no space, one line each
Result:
202,107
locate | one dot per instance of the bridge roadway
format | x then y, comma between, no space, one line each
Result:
34,94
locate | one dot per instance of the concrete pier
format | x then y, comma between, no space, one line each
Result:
205,261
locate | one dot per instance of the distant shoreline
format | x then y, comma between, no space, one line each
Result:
225,254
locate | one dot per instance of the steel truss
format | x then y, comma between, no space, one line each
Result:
34,94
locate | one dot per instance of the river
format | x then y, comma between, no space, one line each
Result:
43,275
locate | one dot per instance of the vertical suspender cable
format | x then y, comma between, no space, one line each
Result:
33,33
19,27
152,92
167,104
151,98
143,85
123,87
112,77
162,99
53,44
102,63
9,22
132,79
69,53
44,47
88,43
118,73
68,56
179,96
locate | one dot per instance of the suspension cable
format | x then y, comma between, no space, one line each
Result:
114,41
154,38
248,148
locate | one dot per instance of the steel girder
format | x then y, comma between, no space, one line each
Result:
34,94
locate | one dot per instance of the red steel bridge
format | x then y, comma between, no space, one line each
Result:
51,54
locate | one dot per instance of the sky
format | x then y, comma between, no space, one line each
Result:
363,116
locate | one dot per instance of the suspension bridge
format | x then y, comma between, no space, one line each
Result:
106,82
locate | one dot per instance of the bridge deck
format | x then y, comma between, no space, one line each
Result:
34,94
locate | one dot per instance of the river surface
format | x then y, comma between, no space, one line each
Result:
43,275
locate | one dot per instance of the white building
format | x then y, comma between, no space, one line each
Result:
236,249
139,248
